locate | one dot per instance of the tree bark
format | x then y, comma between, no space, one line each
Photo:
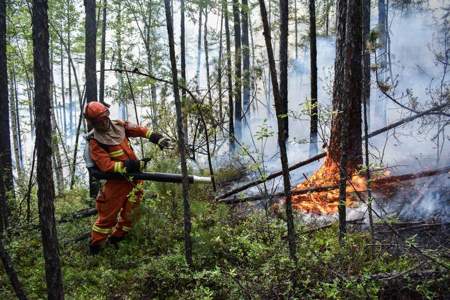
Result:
103,54
366,58
237,70
6,172
199,45
14,117
351,101
205,42
183,67
90,50
230,80
90,68
44,150
284,21
280,121
245,9
181,139
352,110
313,64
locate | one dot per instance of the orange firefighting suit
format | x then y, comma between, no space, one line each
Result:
118,198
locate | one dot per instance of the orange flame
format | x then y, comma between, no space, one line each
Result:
327,202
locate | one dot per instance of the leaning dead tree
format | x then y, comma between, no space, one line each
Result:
10,271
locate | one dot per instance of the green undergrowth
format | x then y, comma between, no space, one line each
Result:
234,257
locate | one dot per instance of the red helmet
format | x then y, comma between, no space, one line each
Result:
95,110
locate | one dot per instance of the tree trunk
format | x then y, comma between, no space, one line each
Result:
350,104
183,68
230,80
205,41
90,51
103,53
280,121
352,111
10,271
246,59
313,64
17,121
199,46
56,155
63,90
44,150
90,69
181,139
366,60
284,21
296,29
123,107
219,68
6,173
237,70
14,112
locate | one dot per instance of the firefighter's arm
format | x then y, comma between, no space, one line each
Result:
133,130
102,159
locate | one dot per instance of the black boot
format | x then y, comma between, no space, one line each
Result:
95,249
115,240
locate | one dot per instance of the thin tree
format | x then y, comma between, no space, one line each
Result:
46,195
90,68
281,129
237,69
229,77
103,54
181,138
245,59
313,64
284,28
6,172
183,65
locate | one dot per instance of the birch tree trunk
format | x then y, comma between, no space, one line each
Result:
246,59
229,77
237,70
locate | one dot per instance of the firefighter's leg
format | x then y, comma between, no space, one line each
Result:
130,212
109,202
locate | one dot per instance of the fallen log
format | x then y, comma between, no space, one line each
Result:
384,180
323,154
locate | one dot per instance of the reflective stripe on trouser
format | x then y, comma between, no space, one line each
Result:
111,202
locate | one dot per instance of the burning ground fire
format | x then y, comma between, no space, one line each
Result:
327,202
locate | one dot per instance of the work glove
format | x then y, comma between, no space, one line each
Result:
160,140
133,165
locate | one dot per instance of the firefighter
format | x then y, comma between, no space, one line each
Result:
110,150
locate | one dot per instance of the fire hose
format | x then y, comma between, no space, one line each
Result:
152,176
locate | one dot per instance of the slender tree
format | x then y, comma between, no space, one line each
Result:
6,173
280,121
90,50
313,64
237,70
44,150
181,138
229,78
103,54
183,66
245,9
284,29
90,68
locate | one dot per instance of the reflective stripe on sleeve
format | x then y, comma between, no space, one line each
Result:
149,132
126,229
101,230
116,153
118,167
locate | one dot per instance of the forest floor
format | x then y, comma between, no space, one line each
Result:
235,255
